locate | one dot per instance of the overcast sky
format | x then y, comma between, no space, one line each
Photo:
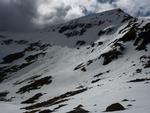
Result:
26,15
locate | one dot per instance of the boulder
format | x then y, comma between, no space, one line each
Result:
115,107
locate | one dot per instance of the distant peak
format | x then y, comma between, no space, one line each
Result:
119,9
114,10
114,16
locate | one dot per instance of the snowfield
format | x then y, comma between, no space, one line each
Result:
82,66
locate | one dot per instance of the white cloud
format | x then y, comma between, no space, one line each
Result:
57,11
134,7
47,12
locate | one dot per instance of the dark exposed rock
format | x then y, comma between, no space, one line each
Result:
32,99
147,65
93,44
12,69
124,100
30,79
100,22
143,57
59,106
80,43
99,43
101,32
36,46
140,80
145,60
72,33
34,57
33,111
21,42
55,100
64,28
54,110
143,40
126,18
138,70
129,105
125,28
94,81
115,107
110,56
88,25
118,45
79,66
35,84
80,87
92,50
46,111
89,62
109,30
3,76
83,69
130,35
12,57
7,42
78,109
3,96
70,29
83,30
15,68
107,71
106,31
75,33
98,75
24,65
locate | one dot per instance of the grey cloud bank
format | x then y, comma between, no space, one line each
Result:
28,15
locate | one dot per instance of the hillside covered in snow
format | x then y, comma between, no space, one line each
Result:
94,64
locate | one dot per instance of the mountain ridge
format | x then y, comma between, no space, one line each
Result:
80,66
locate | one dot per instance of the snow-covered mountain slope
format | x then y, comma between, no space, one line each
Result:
80,66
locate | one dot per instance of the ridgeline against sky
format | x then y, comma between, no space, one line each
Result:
27,15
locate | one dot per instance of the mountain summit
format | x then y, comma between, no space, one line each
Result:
92,64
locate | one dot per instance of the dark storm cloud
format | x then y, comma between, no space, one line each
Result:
26,15
16,15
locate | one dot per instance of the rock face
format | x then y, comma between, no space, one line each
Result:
115,107
79,109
